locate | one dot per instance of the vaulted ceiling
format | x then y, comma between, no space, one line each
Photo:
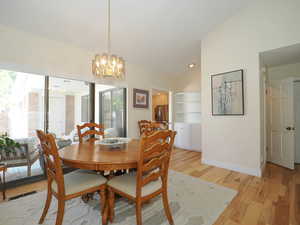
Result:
164,35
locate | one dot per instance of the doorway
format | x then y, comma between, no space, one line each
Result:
160,106
280,70
297,119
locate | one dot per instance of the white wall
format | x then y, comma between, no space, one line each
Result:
235,142
25,52
189,81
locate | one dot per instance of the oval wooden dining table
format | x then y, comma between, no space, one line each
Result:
93,156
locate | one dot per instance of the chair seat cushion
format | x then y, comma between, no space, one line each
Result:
78,181
127,184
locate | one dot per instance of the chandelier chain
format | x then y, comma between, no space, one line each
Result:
108,29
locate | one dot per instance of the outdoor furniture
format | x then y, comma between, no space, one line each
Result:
28,153
3,169
69,186
25,155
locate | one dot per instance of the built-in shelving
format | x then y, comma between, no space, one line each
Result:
187,112
187,107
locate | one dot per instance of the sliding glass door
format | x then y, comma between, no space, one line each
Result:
56,105
21,113
69,105
112,111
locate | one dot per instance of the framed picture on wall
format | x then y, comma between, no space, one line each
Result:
140,98
227,91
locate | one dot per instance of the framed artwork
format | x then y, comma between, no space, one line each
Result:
140,98
227,91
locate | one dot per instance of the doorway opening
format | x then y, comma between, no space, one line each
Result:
280,70
161,106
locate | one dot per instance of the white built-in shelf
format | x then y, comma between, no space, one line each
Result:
187,107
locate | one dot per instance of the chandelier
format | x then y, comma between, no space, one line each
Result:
108,65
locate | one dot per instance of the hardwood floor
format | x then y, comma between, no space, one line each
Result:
271,200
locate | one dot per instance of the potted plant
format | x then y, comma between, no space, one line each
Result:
7,145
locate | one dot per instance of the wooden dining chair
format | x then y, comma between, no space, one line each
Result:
151,178
92,129
71,185
143,126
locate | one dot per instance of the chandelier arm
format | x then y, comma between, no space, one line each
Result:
108,29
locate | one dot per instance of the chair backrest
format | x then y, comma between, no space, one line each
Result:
93,129
154,158
52,161
144,125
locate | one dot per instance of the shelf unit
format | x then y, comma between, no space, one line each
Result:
187,115
187,107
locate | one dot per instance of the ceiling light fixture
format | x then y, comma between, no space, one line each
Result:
108,65
192,65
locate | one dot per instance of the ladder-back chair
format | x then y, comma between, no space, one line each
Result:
89,130
151,178
71,185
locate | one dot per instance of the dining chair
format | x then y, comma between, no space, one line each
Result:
151,178
143,125
71,185
89,130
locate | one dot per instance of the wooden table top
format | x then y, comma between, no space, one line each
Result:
94,156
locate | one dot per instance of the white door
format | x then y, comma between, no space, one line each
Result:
297,119
282,131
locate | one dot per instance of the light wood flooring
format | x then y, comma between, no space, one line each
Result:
271,200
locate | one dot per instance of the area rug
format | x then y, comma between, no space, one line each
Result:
192,201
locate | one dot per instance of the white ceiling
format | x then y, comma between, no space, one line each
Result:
163,35
67,86
281,56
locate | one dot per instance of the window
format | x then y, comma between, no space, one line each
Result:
24,99
68,106
111,110
21,103
21,113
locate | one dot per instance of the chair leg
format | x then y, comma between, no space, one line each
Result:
60,212
47,205
104,208
29,170
138,209
166,207
111,202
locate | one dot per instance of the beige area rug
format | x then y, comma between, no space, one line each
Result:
192,200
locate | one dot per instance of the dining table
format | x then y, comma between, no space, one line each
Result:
93,155
98,157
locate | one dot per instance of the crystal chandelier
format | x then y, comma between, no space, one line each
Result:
108,65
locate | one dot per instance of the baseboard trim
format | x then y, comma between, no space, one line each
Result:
229,166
